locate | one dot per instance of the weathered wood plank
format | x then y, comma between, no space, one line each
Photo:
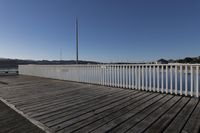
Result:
104,112
193,124
140,116
76,107
120,113
177,124
162,123
61,101
74,115
74,101
141,126
126,116
88,110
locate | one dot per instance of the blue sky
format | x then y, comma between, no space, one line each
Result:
110,30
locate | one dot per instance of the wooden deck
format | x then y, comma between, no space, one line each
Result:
63,107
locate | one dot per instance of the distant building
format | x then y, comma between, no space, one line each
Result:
162,61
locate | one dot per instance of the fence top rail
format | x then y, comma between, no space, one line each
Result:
82,65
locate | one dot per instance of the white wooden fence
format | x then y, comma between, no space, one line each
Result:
182,79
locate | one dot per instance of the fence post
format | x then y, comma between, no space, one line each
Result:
139,78
171,81
176,76
166,89
142,77
162,84
136,77
181,79
186,80
150,79
191,82
158,78
146,78
197,81
154,78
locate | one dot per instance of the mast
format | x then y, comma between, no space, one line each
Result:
76,40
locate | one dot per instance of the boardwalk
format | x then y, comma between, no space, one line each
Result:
62,107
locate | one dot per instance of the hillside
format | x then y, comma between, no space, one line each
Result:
191,60
13,63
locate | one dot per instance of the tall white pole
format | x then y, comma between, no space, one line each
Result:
76,40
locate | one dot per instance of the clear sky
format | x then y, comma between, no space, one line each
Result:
110,30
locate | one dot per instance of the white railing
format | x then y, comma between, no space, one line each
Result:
182,79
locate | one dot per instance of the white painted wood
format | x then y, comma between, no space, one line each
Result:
158,79
139,78
150,79
133,77
136,77
126,79
118,76
191,81
110,75
181,80
142,77
115,77
176,80
121,76
171,80
166,84
186,80
162,79
197,81
146,78
154,78
105,75
129,75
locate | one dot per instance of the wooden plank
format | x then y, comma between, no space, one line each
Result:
77,107
74,115
80,104
141,115
119,113
14,93
162,123
36,91
88,111
75,102
47,99
126,116
178,123
59,102
141,126
193,124
103,112
44,96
